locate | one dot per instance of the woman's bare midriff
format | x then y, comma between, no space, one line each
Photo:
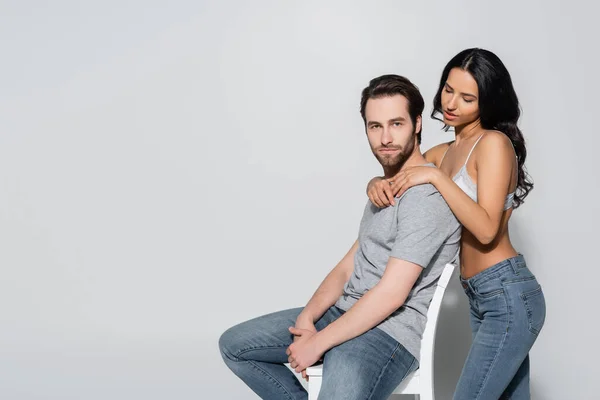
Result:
476,257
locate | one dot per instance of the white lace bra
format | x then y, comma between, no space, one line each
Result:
464,181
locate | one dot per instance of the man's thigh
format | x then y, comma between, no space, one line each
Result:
369,366
264,338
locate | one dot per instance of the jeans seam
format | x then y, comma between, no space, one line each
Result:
482,280
414,361
525,279
493,363
269,376
243,351
384,368
490,294
489,276
528,310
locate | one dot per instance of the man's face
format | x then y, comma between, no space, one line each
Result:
390,130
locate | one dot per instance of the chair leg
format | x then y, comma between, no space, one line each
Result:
429,395
314,387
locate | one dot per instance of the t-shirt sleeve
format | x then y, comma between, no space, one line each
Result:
424,224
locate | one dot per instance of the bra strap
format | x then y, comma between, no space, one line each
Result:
473,148
444,156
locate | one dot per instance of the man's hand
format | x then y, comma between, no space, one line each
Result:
304,324
305,351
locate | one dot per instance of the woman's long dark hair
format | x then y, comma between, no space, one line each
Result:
498,105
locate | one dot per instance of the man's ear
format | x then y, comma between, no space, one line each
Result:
418,124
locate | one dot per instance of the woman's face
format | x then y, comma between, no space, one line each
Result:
460,97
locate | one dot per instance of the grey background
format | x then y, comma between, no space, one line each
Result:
168,169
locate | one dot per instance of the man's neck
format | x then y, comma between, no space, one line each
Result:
416,159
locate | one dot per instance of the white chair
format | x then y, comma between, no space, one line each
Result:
418,383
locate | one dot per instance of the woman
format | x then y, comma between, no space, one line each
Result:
481,176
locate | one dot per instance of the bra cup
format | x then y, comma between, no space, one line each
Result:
470,188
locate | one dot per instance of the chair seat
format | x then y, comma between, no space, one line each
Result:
410,384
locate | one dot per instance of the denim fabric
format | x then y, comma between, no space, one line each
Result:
507,313
369,366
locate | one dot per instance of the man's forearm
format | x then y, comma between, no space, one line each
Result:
373,307
330,289
368,312
325,296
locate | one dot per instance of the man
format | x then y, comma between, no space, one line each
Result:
366,319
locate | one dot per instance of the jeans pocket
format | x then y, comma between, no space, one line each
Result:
535,306
489,289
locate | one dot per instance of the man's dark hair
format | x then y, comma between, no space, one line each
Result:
391,85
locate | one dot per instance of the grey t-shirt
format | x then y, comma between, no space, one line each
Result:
419,228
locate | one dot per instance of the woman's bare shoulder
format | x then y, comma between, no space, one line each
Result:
495,140
435,154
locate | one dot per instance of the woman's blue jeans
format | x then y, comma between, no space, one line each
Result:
507,313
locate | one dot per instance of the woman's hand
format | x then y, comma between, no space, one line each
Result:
413,176
380,192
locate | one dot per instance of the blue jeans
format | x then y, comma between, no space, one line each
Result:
507,314
369,366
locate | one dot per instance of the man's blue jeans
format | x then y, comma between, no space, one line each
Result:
507,313
369,366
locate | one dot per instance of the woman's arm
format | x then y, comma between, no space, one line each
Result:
379,189
435,154
494,161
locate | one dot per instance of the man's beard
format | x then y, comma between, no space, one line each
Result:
395,161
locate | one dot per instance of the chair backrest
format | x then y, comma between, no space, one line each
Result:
428,341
